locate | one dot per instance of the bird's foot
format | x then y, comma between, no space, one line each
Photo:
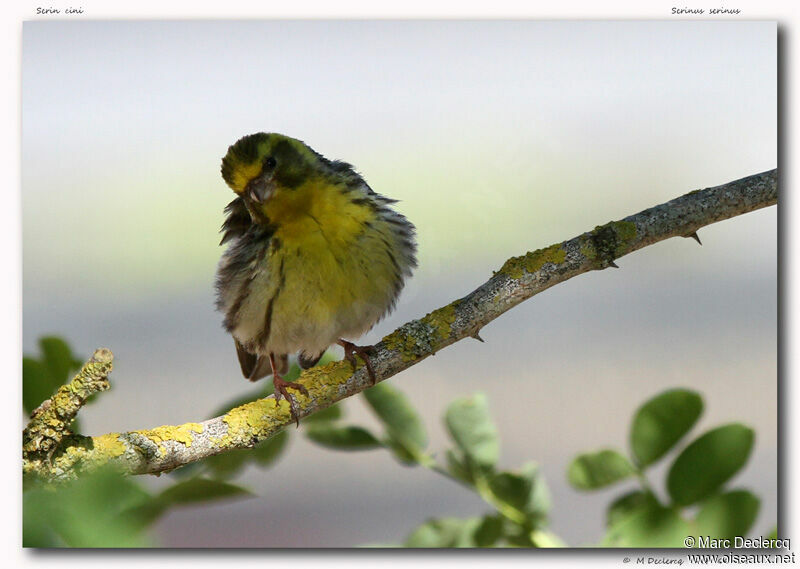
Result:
281,387
350,352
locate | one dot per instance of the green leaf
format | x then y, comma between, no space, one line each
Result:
230,463
708,462
626,504
144,515
84,513
517,536
57,357
268,451
649,525
444,532
41,378
36,529
597,469
402,422
191,491
346,437
457,467
472,429
488,531
401,452
512,489
540,496
186,471
328,414
545,538
525,491
227,464
724,516
663,421
196,490
37,384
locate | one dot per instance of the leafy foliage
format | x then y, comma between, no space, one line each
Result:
519,500
104,509
83,513
191,491
661,422
404,427
728,515
637,518
347,437
708,462
648,525
597,469
473,431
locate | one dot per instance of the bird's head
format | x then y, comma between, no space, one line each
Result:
269,172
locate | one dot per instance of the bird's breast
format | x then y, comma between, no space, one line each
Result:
318,209
315,288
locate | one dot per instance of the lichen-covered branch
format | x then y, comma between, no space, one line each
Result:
168,447
50,421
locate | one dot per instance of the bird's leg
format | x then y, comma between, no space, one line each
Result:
280,389
350,349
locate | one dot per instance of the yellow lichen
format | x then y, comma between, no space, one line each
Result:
108,445
317,379
178,433
263,417
533,261
248,415
250,419
608,242
399,342
442,319
98,450
626,232
424,336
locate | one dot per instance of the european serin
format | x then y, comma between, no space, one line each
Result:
315,256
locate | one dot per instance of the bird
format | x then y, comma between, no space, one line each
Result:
314,256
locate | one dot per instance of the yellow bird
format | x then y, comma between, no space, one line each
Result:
314,257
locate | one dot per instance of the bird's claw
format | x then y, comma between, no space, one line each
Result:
281,387
350,352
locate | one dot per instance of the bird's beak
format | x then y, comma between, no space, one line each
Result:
260,189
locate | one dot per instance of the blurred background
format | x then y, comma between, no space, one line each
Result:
499,137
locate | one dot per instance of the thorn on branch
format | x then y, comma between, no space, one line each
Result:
477,337
695,237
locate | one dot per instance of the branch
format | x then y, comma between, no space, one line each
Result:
50,421
168,447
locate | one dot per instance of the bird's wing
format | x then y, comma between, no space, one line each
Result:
305,361
247,361
237,222
255,367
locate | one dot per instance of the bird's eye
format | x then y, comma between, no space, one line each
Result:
270,163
